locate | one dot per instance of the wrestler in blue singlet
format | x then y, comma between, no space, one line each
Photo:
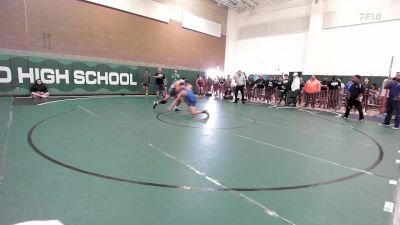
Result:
191,98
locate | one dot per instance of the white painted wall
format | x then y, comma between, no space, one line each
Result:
164,13
350,12
266,54
232,34
192,22
314,41
148,9
267,14
272,54
355,45
206,9
364,49
355,48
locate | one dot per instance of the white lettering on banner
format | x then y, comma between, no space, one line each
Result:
8,77
89,74
111,80
79,77
131,82
60,76
48,76
102,78
49,79
123,76
22,75
54,76
37,73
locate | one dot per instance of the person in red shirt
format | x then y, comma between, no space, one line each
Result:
200,83
221,86
312,89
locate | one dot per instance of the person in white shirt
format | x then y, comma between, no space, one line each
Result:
295,89
240,81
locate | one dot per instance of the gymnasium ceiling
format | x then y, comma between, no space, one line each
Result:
248,5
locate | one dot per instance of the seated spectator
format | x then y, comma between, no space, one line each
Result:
39,90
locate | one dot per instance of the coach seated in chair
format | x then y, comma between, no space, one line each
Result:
39,90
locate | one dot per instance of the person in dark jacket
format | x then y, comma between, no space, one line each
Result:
259,88
160,82
39,90
334,97
356,94
393,102
284,87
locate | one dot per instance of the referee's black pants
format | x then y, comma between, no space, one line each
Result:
393,106
241,89
284,94
354,102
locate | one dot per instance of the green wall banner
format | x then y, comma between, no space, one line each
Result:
70,76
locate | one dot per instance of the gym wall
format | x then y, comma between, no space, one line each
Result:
362,42
85,29
67,76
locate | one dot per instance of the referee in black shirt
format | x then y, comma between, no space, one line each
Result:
356,93
160,77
